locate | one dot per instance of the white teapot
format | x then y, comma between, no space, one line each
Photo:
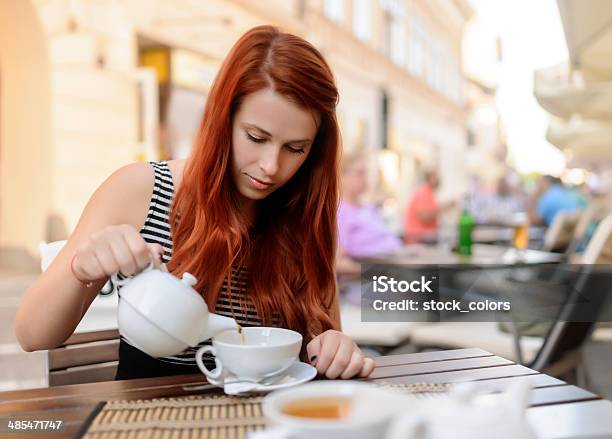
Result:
465,414
162,315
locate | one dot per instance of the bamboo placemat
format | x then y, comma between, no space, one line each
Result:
195,416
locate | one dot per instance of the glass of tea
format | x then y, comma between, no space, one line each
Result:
328,407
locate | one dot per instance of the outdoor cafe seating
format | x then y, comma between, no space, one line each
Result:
545,345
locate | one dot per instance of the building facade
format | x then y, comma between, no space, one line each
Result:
87,86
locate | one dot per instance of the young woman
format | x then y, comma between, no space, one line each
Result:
251,214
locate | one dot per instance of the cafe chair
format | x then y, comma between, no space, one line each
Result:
560,233
557,351
85,358
587,224
91,354
560,355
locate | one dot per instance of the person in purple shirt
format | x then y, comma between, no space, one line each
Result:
361,230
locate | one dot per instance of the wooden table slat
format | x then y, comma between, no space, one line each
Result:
439,366
575,420
538,380
72,420
560,395
101,387
87,399
424,357
462,375
65,414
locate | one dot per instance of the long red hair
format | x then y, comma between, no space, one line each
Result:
290,258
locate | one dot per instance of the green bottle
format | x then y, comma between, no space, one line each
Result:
466,225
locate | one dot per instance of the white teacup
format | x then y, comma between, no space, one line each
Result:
368,411
265,352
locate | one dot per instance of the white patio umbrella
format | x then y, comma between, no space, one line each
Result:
563,95
588,32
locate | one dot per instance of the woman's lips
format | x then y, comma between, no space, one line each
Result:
258,184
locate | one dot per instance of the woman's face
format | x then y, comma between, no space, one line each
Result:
271,138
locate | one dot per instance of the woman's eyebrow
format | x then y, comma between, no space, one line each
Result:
250,125
264,132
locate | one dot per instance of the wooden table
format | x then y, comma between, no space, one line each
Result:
557,409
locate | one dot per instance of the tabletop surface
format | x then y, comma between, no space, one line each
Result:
482,254
494,233
557,409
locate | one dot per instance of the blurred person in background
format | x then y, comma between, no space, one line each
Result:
550,198
496,207
421,223
361,229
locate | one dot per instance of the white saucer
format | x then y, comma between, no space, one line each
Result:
298,373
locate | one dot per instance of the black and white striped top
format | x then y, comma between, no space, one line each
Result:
156,229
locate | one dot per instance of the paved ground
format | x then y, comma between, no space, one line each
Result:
19,369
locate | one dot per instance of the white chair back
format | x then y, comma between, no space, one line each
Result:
561,231
599,249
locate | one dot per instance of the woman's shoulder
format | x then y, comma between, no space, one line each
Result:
139,177
124,196
135,178
130,188
176,169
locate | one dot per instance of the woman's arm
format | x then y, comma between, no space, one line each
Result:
335,354
55,304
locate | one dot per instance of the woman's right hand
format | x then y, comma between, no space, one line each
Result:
117,248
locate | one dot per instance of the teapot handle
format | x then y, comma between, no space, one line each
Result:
121,282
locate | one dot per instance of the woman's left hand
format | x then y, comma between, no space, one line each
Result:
336,355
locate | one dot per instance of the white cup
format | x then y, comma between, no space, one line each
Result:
371,411
265,352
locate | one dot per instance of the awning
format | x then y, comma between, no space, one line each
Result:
588,32
563,95
583,142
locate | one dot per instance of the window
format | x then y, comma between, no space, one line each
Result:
362,19
436,57
416,47
395,33
430,59
334,10
398,45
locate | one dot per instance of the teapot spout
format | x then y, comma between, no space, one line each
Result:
217,324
